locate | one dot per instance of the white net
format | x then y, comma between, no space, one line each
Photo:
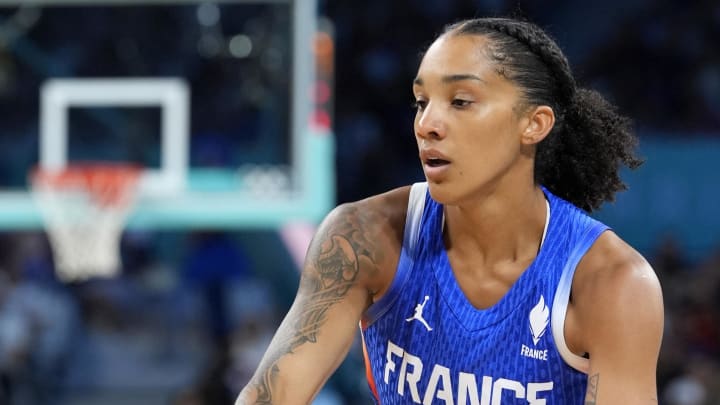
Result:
84,209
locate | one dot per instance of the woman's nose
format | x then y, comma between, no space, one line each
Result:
429,124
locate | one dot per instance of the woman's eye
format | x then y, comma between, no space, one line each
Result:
419,104
461,103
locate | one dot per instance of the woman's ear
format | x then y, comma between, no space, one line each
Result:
540,121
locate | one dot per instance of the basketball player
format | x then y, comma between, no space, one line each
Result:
488,284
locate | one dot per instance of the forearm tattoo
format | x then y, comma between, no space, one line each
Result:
332,269
592,389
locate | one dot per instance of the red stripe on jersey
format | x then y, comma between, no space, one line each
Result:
368,371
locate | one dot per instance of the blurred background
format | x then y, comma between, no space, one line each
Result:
208,272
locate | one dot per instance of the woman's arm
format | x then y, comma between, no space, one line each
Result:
620,313
347,252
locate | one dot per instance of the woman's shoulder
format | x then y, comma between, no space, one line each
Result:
374,228
383,213
615,285
611,260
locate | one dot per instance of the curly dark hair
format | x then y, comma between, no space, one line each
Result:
580,159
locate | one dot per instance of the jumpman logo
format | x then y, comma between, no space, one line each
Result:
417,316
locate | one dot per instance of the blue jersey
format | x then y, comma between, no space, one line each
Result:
426,343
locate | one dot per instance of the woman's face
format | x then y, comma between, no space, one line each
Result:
468,123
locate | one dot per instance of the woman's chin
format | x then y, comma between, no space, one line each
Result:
442,192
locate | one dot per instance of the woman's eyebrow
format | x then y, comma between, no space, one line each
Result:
452,78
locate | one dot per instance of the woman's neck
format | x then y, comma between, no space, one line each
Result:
505,225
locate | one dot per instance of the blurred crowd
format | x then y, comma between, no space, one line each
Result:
189,318
689,367
173,328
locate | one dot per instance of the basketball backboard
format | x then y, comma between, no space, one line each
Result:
214,99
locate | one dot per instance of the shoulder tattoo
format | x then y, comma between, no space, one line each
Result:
342,250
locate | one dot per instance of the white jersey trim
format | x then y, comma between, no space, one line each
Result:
413,219
562,298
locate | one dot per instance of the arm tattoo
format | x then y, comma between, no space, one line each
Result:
592,389
346,248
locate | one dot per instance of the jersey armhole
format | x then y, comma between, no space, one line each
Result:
408,252
562,298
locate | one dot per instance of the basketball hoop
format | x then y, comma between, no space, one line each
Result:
84,209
